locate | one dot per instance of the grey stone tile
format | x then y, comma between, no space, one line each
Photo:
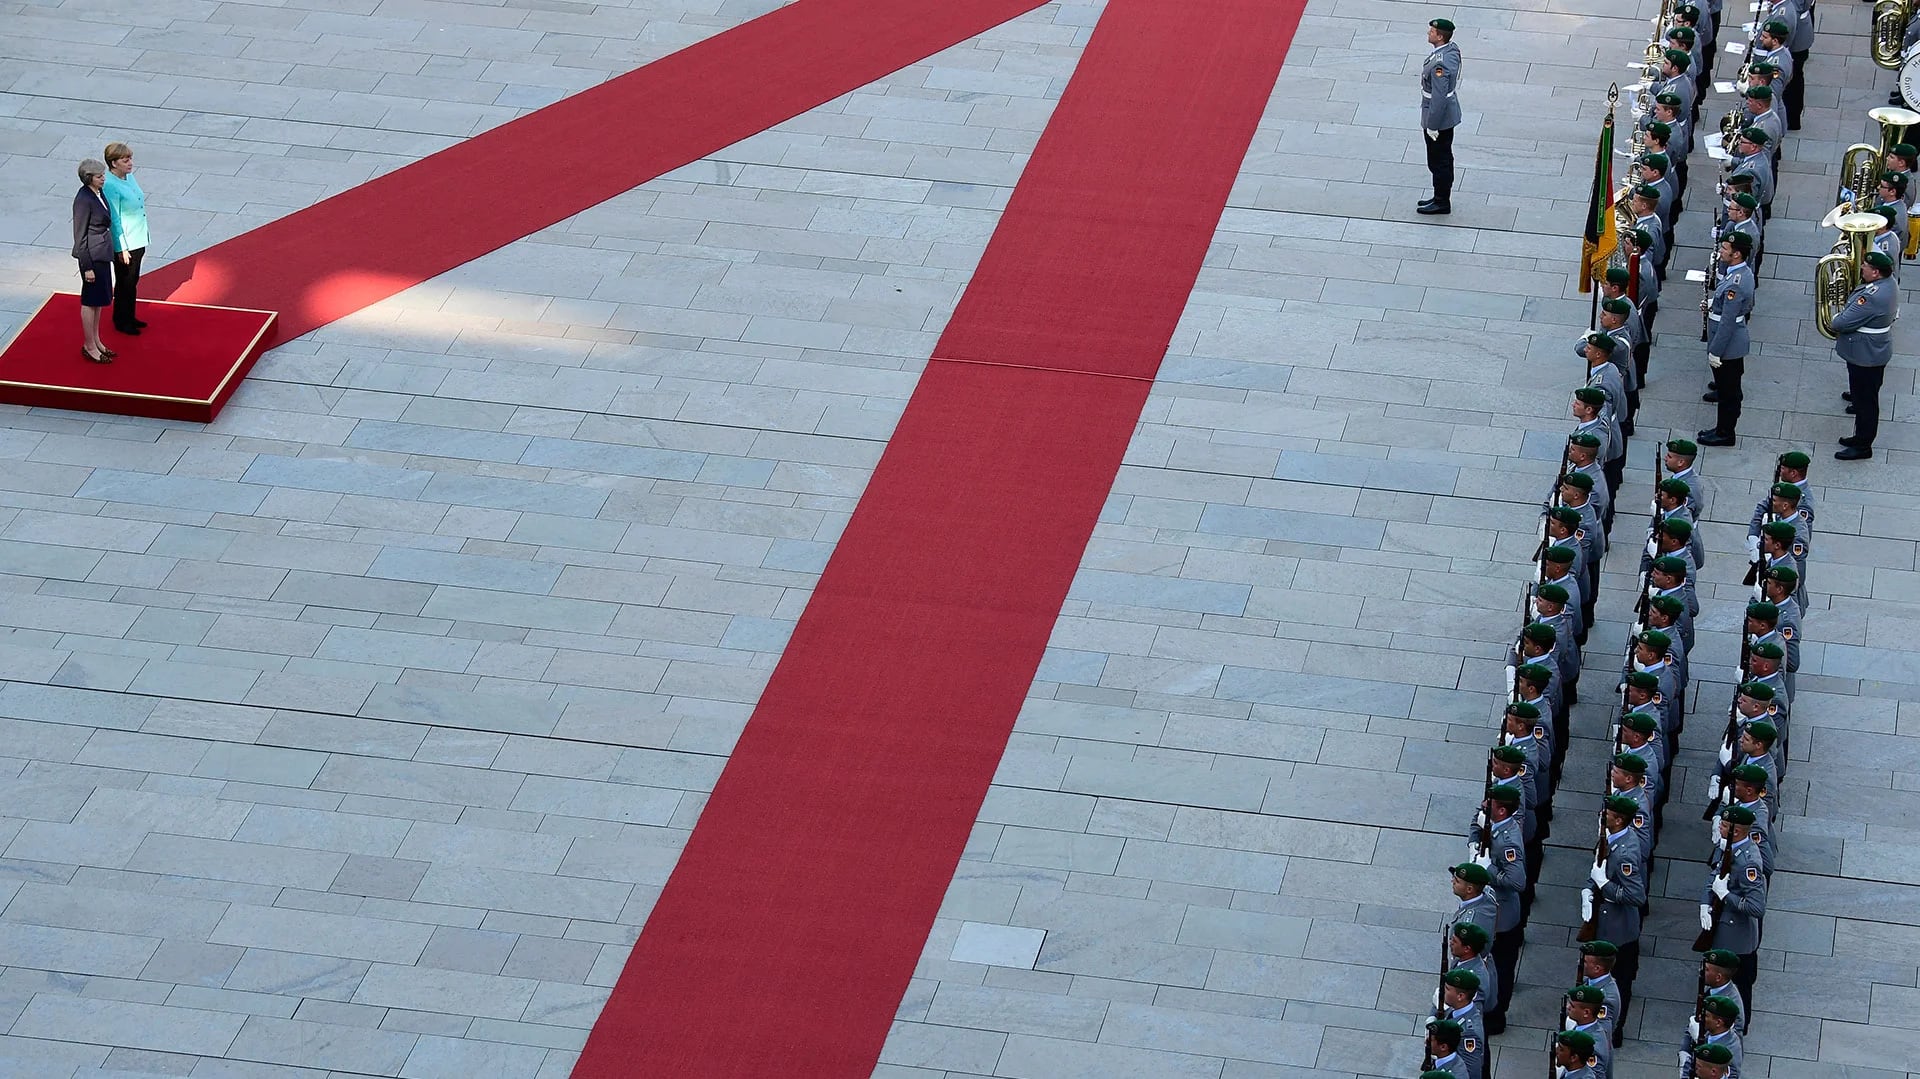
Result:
323,1045
319,934
129,1024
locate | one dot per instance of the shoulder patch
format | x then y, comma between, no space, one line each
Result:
1787,632
1626,868
1752,874
1639,821
1513,855
1800,550
1860,301
1732,293
1439,69
1469,1045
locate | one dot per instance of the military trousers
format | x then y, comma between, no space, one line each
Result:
1726,383
1440,164
1796,94
1744,977
1625,969
1506,960
1863,383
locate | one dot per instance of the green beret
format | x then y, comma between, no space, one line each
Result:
1763,732
1658,161
1552,593
1471,935
1505,794
1880,260
1534,672
1641,238
1895,180
1669,99
1795,459
1639,721
1655,640
1539,633
1584,439
1683,33
1677,527
1765,612
1769,650
1509,754
1777,28
1462,979
1619,305
1559,555
1746,201
1671,565
1788,491
1668,605
1887,214
1586,994
1709,1052
1759,691
1786,575
1622,805
1760,93
1603,948
1685,447
1631,763
1676,488
1445,26
1749,773
1904,149
1579,1041
1744,177
1739,241
1438,1073
1472,874
1579,481
1737,815
1755,135
1662,129
1646,191
1643,680
1567,516
1446,1029
1724,1007
1678,59
1779,530
1605,343
1521,708
1687,11
1618,275
1763,67
1722,958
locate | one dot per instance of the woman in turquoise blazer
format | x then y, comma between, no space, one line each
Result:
129,206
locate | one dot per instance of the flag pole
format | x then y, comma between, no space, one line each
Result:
1613,100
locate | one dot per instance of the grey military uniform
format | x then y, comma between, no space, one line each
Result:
1452,1064
1802,521
1727,313
1509,871
1738,928
1609,989
1482,911
1698,490
1473,1039
1616,908
1762,832
1600,1064
1762,168
1730,1039
1439,88
1863,329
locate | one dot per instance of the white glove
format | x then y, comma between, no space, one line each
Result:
1713,361
1653,507
1613,733
1721,887
1484,861
1586,910
1753,548
1739,674
1726,753
1473,851
1511,674
1706,918
1568,1023
1713,795
1693,1028
1431,134
1436,999
1653,547
1598,875
1637,627
1686,1058
1542,533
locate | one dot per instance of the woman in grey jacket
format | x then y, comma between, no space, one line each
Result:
93,249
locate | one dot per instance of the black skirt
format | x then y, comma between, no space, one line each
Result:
99,291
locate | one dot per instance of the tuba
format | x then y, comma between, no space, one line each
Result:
1861,164
1889,32
1836,275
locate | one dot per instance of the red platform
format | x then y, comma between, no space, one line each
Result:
184,366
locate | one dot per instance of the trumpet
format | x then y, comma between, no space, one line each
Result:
1889,32
1837,274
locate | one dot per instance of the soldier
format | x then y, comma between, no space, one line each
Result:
1627,779
1727,340
1533,684
1649,657
1440,112
1602,375
1640,246
1771,47
1707,1062
1654,170
1507,862
1763,627
1674,65
1665,613
1669,576
1752,158
1757,739
1459,997
1799,44
1671,538
1713,1028
1742,896
1508,764
1586,1014
1777,585
1791,467
1891,192
1596,971
1763,669
1780,546
1550,609
1616,321
1750,793
1617,892
1641,694
1528,733
1682,454
1743,215
1900,159
1862,337
1761,114
1716,973
1476,903
1649,231
1671,501
1443,1045
1575,1055
1640,737
1886,241
1556,569
1536,646
1584,448
1781,504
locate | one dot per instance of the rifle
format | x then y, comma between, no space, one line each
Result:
1590,928
1759,561
1546,508
1641,606
1700,1001
1728,741
1446,958
1712,282
1705,940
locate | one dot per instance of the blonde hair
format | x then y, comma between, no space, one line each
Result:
117,150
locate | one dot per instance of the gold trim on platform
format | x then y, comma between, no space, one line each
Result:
218,389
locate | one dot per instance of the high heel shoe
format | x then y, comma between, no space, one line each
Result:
107,352
91,358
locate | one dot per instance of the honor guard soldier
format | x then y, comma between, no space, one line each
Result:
1791,467
1645,203
1627,779
1653,170
1664,614
1596,972
1669,576
1616,321
1763,669
1743,215
1558,566
1587,1015
1585,447
1863,338
1713,1027
1640,737
1535,646
1777,586
1506,860
1781,504
1641,692
1640,246
1440,112
1741,897
1757,739
1509,767
1763,627
1459,994
1468,952
1717,966
1708,1062
1761,114
1575,1055
1672,500
1550,609
1617,891
1672,538
1727,337
1682,454
1649,656
1750,793
1892,193
1780,545
1471,884
1443,1045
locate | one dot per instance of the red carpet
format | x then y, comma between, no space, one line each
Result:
184,367
366,244
786,936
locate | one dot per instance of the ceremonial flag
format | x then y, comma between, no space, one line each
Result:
1600,240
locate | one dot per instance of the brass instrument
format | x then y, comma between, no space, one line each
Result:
1862,164
1889,32
1836,275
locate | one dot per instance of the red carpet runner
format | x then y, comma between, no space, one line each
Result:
786,936
368,243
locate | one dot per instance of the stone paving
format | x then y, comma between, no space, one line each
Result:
354,734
